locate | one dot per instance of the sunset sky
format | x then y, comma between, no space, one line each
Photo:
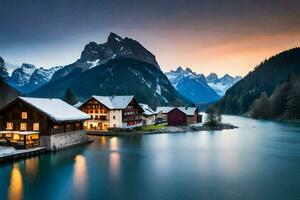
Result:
206,35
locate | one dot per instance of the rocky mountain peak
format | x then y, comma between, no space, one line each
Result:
115,47
179,69
114,38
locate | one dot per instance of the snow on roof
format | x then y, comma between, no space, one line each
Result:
56,109
164,110
114,102
78,104
147,110
187,110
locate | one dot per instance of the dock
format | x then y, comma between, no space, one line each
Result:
22,153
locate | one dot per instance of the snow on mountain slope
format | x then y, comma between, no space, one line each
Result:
27,77
191,85
197,87
221,85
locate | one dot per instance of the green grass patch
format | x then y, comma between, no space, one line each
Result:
150,128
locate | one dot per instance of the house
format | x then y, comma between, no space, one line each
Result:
149,116
78,104
183,116
30,122
162,113
112,112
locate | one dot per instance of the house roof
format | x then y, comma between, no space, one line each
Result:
78,104
187,110
56,109
164,110
147,110
114,102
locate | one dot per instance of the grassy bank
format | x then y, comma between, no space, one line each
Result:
149,128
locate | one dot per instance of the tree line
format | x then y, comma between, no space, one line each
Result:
284,103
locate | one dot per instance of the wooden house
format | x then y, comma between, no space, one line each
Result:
162,113
31,122
112,112
149,116
183,116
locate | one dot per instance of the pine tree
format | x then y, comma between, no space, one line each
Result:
69,97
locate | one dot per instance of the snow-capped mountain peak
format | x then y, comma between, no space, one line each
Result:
191,85
199,88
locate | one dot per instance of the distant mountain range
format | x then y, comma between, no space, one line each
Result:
26,78
117,66
197,87
265,78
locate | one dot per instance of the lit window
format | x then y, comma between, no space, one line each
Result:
24,115
36,126
23,126
9,126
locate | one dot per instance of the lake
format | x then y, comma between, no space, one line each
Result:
259,160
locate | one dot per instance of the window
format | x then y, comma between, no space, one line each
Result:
36,126
24,115
9,126
114,117
114,126
23,126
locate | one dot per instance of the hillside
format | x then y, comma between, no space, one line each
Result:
266,76
7,93
116,77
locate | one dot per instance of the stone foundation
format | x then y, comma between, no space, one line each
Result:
63,140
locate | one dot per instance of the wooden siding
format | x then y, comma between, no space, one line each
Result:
12,113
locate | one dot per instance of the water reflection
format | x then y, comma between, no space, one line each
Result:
15,190
31,167
80,175
114,144
114,158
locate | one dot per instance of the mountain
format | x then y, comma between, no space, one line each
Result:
191,85
124,76
6,68
3,70
221,85
28,78
264,78
7,93
115,47
40,77
117,67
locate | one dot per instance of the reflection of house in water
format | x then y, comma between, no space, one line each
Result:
31,122
80,175
15,190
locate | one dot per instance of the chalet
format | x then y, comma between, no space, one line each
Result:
112,112
149,116
31,122
183,116
162,113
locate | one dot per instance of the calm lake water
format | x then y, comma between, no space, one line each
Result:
260,160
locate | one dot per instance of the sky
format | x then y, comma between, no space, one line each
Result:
231,36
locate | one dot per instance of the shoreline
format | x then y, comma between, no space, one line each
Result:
166,130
